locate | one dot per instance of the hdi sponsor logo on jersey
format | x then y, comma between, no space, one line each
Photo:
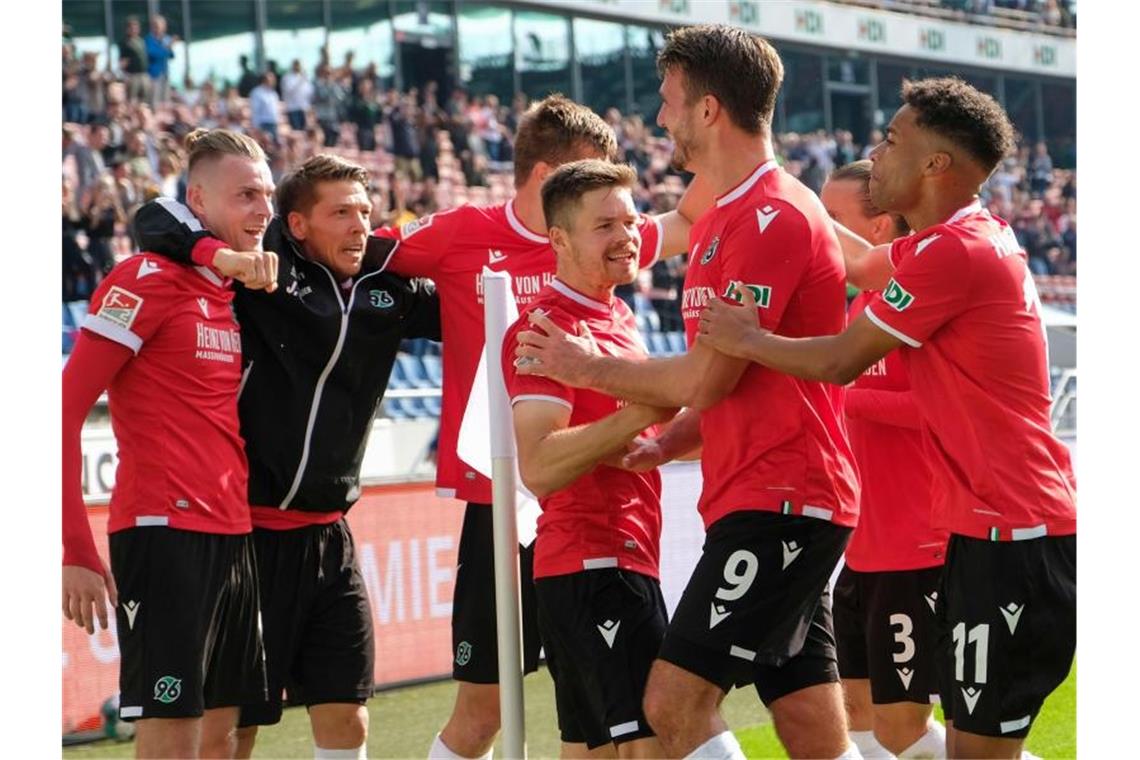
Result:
746,12
896,296
762,293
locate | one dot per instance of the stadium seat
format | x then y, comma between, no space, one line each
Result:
433,367
658,344
676,342
414,371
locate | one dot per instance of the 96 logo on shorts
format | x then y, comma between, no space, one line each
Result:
167,689
463,653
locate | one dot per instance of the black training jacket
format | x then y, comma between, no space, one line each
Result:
315,359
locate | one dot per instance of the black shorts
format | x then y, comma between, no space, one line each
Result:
757,609
886,631
1008,617
601,630
187,622
319,644
473,638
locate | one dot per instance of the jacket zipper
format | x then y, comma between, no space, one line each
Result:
345,311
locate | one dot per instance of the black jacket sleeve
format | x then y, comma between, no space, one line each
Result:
166,227
423,319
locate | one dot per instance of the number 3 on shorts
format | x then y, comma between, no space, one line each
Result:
739,581
903,636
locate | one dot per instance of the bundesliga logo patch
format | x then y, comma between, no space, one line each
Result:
415,226
120,307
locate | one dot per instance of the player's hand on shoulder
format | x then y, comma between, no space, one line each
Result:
85,593
549,351
257,270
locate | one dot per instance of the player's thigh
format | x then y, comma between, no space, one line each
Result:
1009,611
235,656
335,657
752,597
474,637
903,635
602,629
169,581
810,721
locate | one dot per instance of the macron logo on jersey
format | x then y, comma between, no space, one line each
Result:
495,257
925,242
145,268
764,217
202,304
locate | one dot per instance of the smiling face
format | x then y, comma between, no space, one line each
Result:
335,229
599,247
233,196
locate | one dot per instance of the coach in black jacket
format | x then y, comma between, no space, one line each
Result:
316,353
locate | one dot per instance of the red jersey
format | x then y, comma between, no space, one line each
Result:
608,517
174,405
964,302
451,248
885,430
775,443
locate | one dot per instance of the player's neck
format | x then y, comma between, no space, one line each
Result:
733,156
528,209
572,278
937,208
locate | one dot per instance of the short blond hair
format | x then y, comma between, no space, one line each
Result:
208,145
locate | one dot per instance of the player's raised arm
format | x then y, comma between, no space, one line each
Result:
168,228
675,225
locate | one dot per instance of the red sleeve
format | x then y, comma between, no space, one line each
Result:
652,237
423,243
530,387
930,287
93,364
768,251
132,302
203,251
896,408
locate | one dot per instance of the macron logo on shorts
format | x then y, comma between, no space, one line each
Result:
132,609
609,631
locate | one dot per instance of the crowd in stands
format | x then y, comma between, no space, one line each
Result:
123,133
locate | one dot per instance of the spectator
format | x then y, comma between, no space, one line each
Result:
78,274
249,78
328,105
133,60
91,159
93,84
365,113
1040,169
405,143
101,213
297,92
264,105
159,51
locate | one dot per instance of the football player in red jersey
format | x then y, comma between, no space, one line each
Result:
959,300
780,492
884,598
452,247
162,339
597,555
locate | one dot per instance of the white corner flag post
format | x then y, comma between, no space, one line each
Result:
499,312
